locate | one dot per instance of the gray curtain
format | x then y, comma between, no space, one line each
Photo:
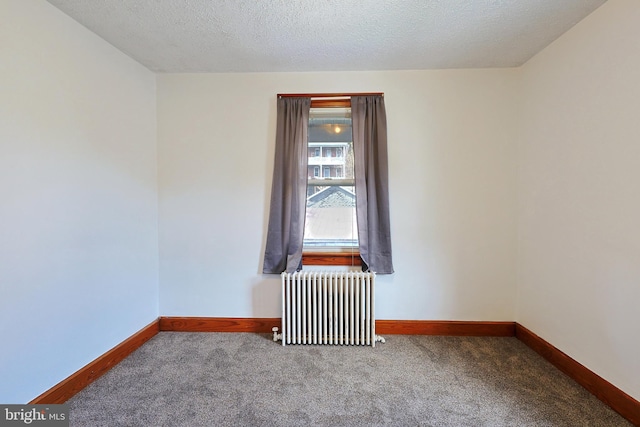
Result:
289,188
369,121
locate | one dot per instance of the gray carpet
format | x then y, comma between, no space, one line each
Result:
243,379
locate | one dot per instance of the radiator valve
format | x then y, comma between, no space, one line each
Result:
276,335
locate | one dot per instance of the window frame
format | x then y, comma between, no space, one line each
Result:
331,257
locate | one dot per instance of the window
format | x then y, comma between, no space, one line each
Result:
330,222
363,116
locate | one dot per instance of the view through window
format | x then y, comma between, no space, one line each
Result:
331,204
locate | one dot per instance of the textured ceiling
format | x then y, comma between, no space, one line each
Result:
327,35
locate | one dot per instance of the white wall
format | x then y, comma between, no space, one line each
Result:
78,198
452,154
579,207
79,218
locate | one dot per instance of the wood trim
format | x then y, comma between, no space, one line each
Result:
331,258
68,387
329,100
329,95
331,103
450,328
218,324
404,327
617,399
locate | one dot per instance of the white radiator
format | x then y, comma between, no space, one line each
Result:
328,307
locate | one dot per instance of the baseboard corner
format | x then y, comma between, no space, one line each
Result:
74,383
611,395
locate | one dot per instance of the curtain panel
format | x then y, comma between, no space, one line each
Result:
369,124
285,234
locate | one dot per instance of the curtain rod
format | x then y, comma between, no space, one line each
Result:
328,95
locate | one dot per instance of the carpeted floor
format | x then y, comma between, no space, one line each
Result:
243,379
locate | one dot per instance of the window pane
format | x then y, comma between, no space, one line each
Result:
331,217
331,212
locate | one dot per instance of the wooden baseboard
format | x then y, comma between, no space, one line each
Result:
68,387
617,399
450,328
404,327
218,324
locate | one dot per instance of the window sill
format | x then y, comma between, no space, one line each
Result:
332,258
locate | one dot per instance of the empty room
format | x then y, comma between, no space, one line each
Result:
474,163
